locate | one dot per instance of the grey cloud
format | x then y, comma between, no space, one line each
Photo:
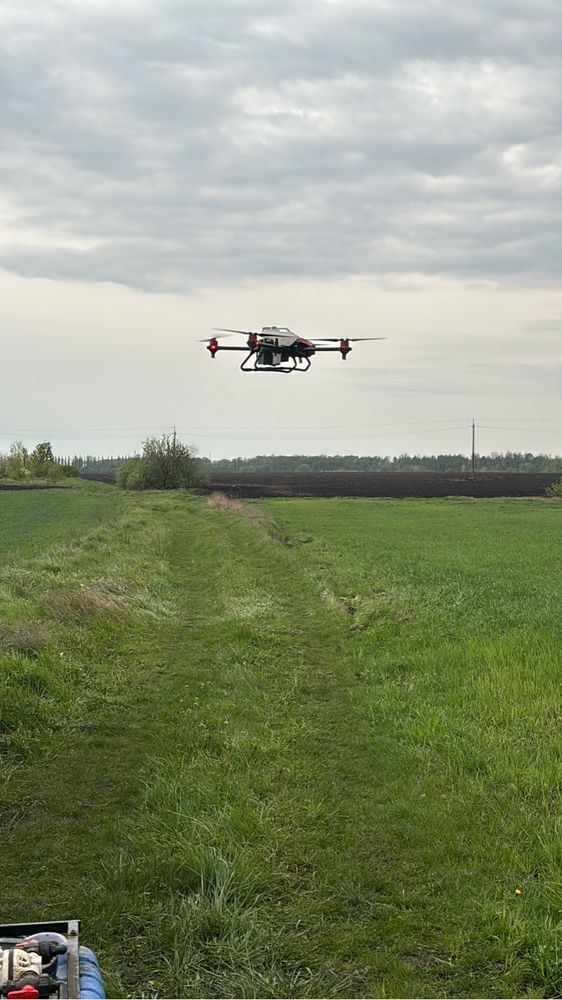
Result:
229,139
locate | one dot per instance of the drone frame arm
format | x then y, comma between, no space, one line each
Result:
343,348
221,348
213,347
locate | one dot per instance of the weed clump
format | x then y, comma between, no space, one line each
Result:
253,515
83,603
27,638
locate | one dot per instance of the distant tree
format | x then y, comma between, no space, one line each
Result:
165,464
43,452
41,460
18,461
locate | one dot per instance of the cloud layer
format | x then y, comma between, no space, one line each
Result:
168,145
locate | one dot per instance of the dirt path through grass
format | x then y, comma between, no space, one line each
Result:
263,862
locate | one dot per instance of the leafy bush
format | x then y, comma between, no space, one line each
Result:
69,471
18,461
555,490
165,464
130,476
39,464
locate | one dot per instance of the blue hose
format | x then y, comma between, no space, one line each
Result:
91,982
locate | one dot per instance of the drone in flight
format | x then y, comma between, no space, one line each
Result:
278,349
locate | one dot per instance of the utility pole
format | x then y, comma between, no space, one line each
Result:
473,442
173,463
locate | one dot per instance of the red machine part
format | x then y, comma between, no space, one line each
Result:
344,348
26,993
213,346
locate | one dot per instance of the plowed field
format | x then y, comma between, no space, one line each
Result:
375,484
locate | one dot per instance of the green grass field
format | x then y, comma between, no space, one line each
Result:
295,748
32,520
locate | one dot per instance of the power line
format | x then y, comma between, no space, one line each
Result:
529,420
308,433
259,432
348,437
82,430
543,430
217,427
443,425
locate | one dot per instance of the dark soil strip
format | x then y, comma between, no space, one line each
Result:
398,485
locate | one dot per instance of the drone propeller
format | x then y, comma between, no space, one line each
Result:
226,329
336,340
207,340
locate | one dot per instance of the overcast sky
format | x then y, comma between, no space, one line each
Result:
339,166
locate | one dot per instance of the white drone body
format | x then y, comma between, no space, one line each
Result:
278,336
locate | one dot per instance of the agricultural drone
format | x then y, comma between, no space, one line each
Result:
278,349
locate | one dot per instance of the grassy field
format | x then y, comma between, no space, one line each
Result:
300,748
32,521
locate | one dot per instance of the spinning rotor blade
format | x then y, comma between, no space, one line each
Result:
207,340
226,329
353,340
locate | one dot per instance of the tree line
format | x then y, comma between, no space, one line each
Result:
166,460
509,461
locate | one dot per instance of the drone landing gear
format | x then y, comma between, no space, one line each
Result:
282,369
